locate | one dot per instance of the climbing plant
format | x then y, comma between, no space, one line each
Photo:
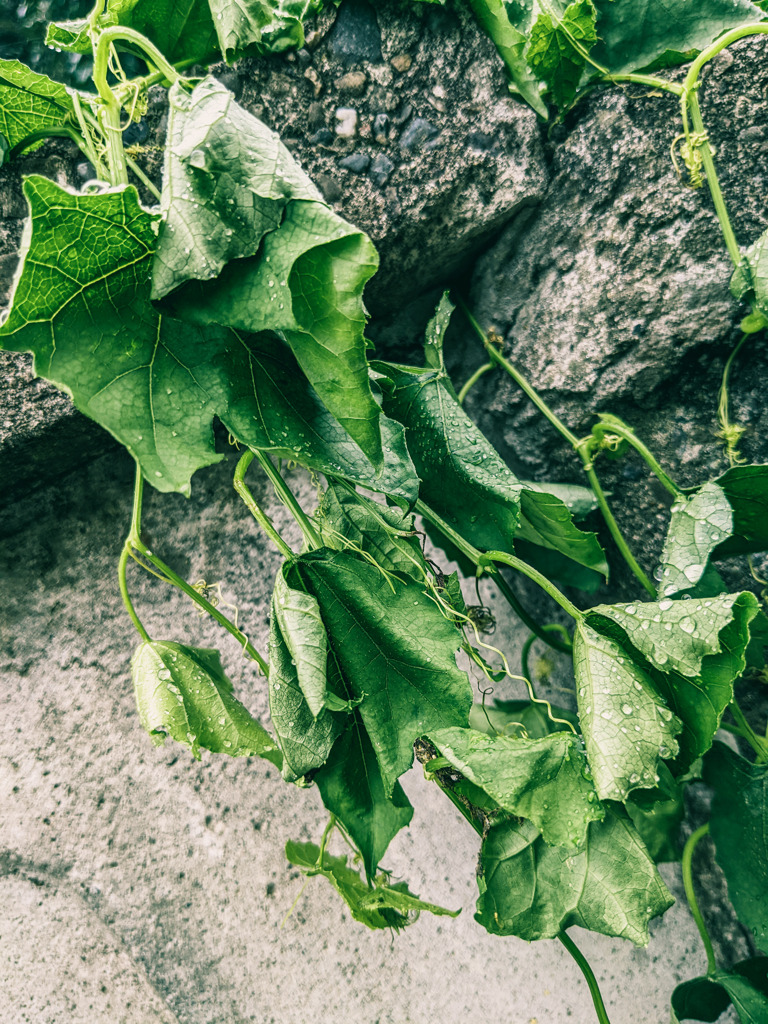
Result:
237,295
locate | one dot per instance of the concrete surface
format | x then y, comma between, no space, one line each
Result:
137,885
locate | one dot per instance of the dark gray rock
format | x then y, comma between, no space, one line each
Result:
381,170
418,133
356,36
356,162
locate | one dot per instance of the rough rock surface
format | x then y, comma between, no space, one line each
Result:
612,296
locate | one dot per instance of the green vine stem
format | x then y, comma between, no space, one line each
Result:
126,553
533,574
109,114
689,100
580,447
285,494
586,970
480,372
650,80
687,862
649,458
729,432
255,509
135,545
484,563
610,521
758,744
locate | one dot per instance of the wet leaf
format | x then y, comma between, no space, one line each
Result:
384,532
81,304
298,619
182,692
519,717
235,198
626,726
544,780
435,333
509,33
394,649
534,891
694,652
697,526
465,480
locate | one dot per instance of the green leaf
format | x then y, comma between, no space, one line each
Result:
657,815
699,999
745,986
580,501
557,46
435,333
182,692
228,180
682,636
637,34
465,480
30,102
739,829
510,38
81,304
180,29
544,780
352,788
695,651
462,476
394,648
263,25
298,619
746,488
379,906
535,891
547,521
300,269
385,533
697,526
305,739
626,726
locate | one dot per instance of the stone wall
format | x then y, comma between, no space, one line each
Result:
137,884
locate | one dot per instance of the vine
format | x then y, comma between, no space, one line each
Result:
243,304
